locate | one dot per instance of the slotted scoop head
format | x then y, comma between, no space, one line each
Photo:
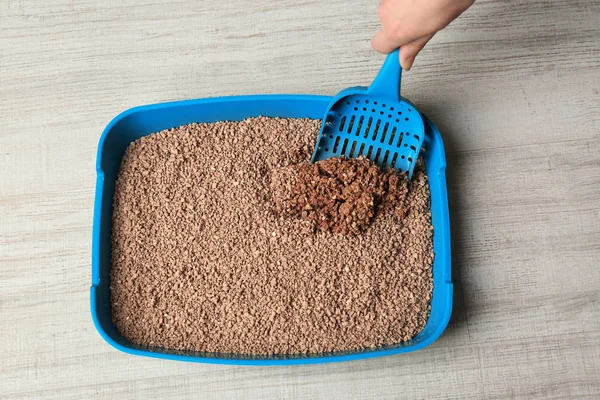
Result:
373,122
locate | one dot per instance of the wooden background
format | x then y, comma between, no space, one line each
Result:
513,86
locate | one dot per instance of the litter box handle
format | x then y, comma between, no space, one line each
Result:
387,82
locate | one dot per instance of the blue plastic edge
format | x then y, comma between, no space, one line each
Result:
442,250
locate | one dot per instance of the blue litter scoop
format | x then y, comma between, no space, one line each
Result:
374,122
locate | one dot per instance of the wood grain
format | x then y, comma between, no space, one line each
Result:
514,88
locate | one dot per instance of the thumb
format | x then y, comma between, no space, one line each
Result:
383,42
386,41
409,51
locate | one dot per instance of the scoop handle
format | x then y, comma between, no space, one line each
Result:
387,82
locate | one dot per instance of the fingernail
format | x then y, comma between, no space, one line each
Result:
407,64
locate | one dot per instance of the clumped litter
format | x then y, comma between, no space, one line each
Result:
338,195
225,239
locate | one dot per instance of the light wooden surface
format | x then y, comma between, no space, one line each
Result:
514,87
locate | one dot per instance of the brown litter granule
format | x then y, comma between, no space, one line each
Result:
202,261
338,195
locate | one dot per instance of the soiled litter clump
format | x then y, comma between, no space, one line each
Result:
203,260
338,195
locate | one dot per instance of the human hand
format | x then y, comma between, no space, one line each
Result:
410,24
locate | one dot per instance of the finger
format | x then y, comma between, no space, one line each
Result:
409,51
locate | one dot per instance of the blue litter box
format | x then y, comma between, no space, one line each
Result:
141,121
